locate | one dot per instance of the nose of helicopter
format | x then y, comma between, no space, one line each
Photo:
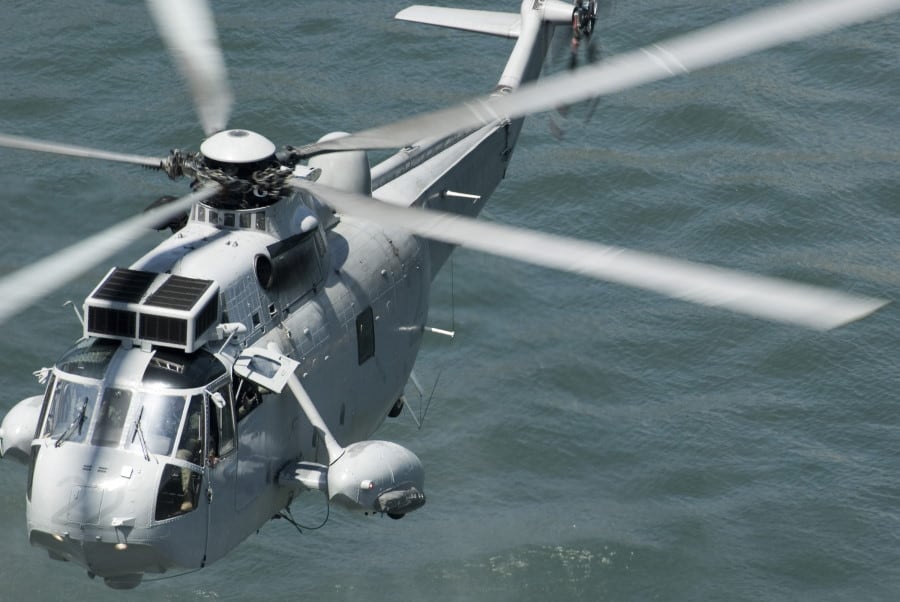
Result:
121,565
95,507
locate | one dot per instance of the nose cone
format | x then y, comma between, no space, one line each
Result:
121,565
95,507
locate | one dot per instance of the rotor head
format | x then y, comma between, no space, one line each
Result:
237,147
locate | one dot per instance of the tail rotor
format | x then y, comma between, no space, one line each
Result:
584,17
581,41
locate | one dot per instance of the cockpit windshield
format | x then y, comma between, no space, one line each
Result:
149,419
149,422
111,417
162,415
70,411
77,408
159,419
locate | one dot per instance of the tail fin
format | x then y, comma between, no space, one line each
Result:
527,27
494,23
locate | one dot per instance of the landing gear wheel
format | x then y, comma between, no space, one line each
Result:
395,411
395,516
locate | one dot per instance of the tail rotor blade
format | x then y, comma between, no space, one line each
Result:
189,31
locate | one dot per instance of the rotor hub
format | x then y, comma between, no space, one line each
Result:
237,147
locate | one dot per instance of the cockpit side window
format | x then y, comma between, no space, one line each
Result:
111,420
246,398
190,446
179,485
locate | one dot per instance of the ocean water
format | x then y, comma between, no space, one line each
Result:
584,441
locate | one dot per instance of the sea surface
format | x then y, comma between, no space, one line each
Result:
584,441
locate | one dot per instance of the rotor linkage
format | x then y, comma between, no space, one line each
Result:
584,17
244,185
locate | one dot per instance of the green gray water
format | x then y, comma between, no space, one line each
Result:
585,441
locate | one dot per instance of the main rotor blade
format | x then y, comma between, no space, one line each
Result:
770,298
76,151
21,289
189,31
680,55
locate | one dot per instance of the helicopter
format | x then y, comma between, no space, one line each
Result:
249,357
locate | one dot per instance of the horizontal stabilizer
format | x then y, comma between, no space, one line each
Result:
504,25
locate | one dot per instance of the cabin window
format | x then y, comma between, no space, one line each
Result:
246,398
365,335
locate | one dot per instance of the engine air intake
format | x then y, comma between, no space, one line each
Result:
162,309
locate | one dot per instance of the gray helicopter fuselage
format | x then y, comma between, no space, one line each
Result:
85,499
343,298
370,276
249,358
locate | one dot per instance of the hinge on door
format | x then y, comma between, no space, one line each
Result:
507,148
